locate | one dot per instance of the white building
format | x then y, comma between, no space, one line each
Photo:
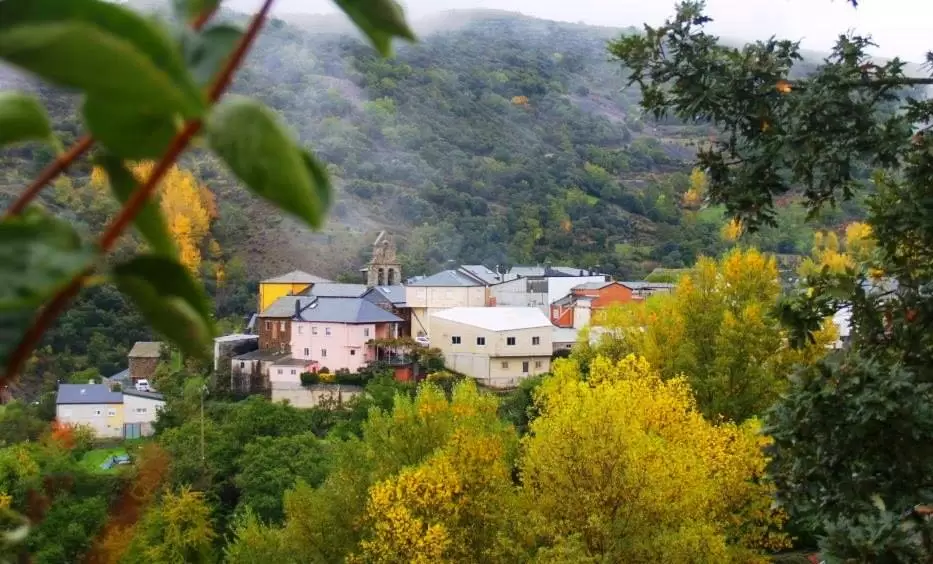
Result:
497,346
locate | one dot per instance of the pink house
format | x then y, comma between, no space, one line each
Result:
334,332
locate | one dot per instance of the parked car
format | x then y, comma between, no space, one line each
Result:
143,386
423,340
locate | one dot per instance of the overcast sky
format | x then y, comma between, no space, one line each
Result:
900,27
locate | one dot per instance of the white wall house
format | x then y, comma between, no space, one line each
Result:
498,346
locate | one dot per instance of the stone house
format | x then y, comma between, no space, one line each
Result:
143,359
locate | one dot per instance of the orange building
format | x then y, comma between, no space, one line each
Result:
576,308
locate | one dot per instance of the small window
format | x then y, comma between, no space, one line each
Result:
352,352
307,352
140,410
268,325
455,340
505,365
314,330
279,370
536,340
281,325
510,341
97,412
323,353
537,364
301,329
366,331
111,412
327,330
525,367
481,340
242,364
293,371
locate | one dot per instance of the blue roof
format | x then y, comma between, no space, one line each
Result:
86,393
393,294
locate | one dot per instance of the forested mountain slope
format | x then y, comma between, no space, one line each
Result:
500,139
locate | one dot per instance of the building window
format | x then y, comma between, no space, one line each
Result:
279,371
537,364
505,365
293,371
536,340
268,325
327,330
455,340
525,367
301,329
307,352
510,341
97,412
314,330
366,331
281,326
323,353
140,410
481,340
111,412
242,364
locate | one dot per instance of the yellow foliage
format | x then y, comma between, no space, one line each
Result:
732,230
520,100
5,500
828,253
625,460
783,87
188,208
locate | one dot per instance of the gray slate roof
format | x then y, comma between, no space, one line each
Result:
482,272
394,294
119,377
146,349
591,285
265,356
328,290
346,310
285,306
298,277
449,278
86,393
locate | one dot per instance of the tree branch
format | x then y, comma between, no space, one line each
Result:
60,301
74,152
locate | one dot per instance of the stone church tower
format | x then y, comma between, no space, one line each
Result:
384,269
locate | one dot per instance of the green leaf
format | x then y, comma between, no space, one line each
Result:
207,51
188,10
39,255
380,20
319,174
169,298
82,56
127,130
149,221
249,138
146,36
22,118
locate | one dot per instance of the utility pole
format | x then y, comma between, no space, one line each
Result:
203,458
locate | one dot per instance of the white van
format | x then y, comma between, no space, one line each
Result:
143,385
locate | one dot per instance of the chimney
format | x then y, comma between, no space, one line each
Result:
298,308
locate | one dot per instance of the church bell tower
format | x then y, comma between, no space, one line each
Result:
384,269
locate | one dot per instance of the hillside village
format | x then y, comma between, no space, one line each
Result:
496,327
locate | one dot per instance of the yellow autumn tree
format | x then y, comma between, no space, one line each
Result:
717,331
694,195
625,462
428,482
188,207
